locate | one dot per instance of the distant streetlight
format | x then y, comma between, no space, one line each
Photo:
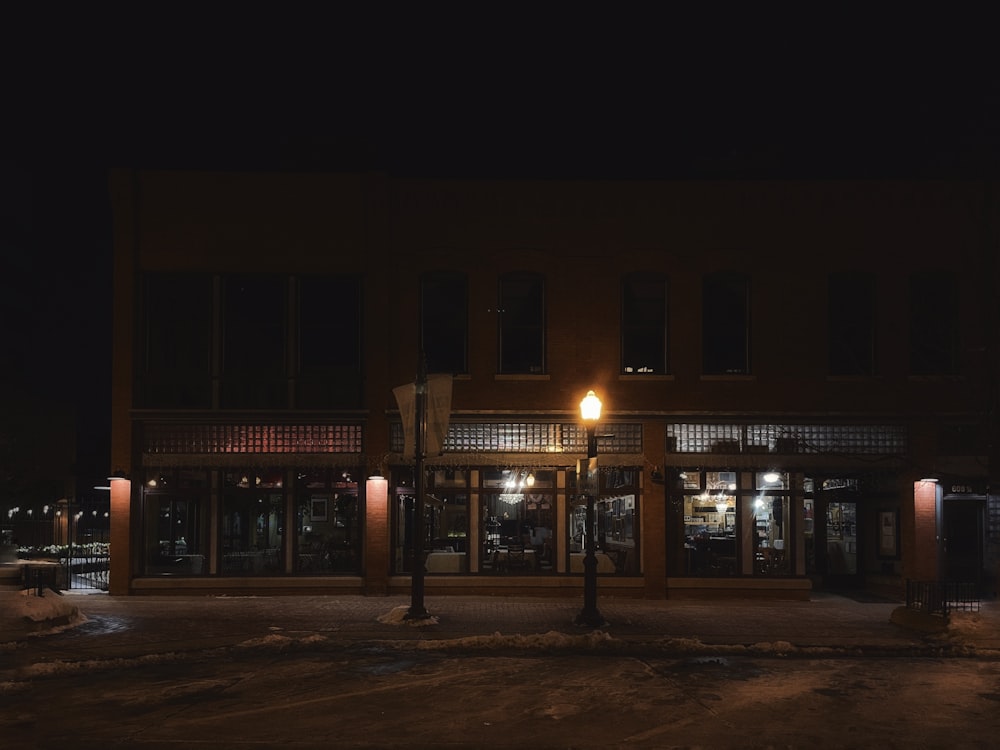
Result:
586,479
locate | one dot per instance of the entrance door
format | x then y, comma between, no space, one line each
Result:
963,539
841,521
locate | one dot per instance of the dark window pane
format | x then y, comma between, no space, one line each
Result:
252,532
444,322
522,324
329,342
178,343
852,324
726,324
329,322
933,324
644,324
254,342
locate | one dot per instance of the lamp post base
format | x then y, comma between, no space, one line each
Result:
590,619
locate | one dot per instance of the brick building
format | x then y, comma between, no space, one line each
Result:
782,364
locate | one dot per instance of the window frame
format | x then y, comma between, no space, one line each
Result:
851,324
725,343
176,381
636,326
934,337
451,333
251,379
509,330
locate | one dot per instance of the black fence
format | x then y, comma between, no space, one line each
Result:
942,597
72,553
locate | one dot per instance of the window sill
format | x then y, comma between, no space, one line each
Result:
936,378
632,376
727,378
521,376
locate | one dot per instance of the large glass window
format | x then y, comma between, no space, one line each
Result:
253,523
852,324
644,324
176,520
177,351
616,523
933,324
444,322
522,324
254,343
446,518
725,324
328,519
711,506
732,529
771,539
517,520
403,520
329,342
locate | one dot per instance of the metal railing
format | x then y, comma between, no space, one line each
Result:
942,597
80,559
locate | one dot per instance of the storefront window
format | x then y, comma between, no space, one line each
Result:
710,528
328,538
403,508
446,521
517,520
770,539
723,536
253,516
772,524
616,528
175,505
809,525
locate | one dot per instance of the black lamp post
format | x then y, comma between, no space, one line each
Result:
417,610
586,481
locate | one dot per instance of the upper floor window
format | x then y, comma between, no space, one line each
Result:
254,342
725,331
329,342
176,366
644,324
444,316
933,324
852,324
522,324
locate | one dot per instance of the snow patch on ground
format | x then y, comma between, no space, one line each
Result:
280,642
968,625
25,613
552,640
397,616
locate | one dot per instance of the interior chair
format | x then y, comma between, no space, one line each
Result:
516,558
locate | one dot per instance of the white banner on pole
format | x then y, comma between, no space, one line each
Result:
438,415
406,397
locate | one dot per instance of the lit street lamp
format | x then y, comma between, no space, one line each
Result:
586,482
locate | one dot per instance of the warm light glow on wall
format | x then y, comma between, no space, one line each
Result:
121,494
377,497
925,531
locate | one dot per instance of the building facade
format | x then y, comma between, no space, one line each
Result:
799,383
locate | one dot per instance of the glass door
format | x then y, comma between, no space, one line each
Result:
841,539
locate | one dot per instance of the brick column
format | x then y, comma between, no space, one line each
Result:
921,564
376,536
121,537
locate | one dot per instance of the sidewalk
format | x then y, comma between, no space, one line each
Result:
140,625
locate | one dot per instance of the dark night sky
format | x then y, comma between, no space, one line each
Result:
634,109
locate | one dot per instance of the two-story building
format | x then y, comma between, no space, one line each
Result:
784,368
